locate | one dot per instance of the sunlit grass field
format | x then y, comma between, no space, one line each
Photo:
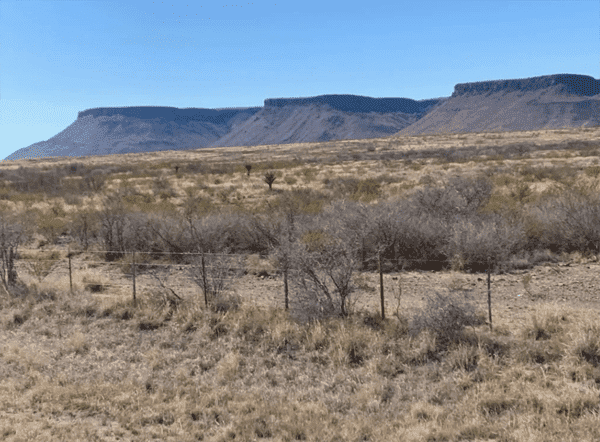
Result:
80,367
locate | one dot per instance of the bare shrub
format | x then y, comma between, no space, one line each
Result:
421,241
325,266
121,230
447,316
112,226
566,223
12,234
352,224
94,181
84,227
581,221
478,243
214,274
35,180
460,197
42,266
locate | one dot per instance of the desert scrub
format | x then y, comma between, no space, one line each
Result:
447,316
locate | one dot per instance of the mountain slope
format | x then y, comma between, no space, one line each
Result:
105,131
324,118
546,102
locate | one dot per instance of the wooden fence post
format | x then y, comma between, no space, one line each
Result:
204,280
489,294
70,276
285,287
133,267
381,284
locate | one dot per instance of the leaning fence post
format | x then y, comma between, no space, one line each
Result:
133,267
381,284
489,294
204,280
70,276
285,287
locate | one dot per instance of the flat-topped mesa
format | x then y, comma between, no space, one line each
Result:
582,85
166,113
357,103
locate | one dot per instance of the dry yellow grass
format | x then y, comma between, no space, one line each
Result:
93,367
73,370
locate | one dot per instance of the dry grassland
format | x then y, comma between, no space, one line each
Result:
92,366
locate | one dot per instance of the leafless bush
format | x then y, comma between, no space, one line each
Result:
214,274
325,265
581,221
421,241
565,223
112,226
35,180
84,227
12,234
460,197
351,222
94,181
122,231
447,315
476,244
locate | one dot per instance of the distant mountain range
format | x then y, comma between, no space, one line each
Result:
546,102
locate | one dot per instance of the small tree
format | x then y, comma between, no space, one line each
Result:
248,168
270,179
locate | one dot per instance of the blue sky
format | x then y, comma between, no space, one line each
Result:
58,57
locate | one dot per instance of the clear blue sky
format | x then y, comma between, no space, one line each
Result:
58,57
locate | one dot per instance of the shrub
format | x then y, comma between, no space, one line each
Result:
214,274
269,178
478,243
84,227
421,242
446,316
325,266
358,190
588,348
12,234
581,221
300,201
461,196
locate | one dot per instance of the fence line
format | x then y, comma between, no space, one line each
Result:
135,264
372,258
145,252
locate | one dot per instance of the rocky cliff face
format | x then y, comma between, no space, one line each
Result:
561,84
105,131
326,117
546,102
357,104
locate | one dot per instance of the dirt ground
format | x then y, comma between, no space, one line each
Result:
514,295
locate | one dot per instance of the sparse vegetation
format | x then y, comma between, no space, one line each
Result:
270,178
93,366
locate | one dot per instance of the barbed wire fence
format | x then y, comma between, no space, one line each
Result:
225,273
